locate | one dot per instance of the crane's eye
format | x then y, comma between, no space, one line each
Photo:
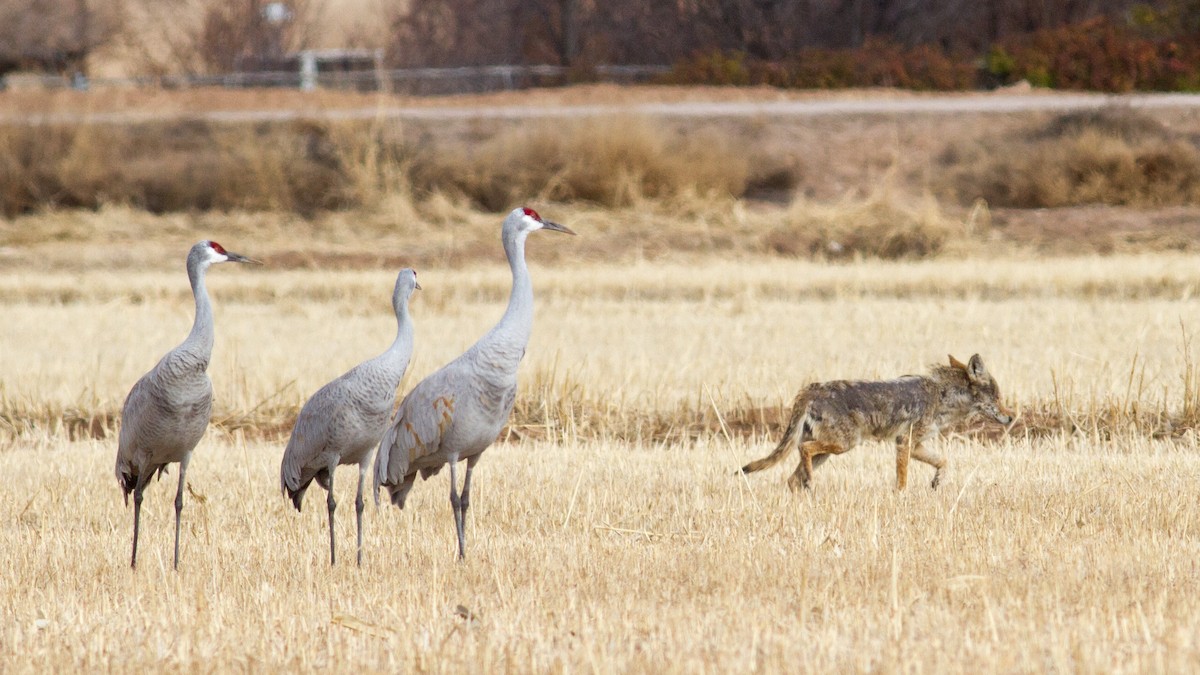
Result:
216,247
532,214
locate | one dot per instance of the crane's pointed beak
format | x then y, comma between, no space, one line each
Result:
238,257
547,225
417,285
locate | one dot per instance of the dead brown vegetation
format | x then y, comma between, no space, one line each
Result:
880,226
1110,156
175,166
611,162
304,167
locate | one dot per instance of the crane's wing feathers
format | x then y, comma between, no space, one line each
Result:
420,425
328,419
132,412
309,436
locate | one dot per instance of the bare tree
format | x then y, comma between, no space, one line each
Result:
763,29
638,32
457,33
243,35
55,35
196,36
474,32
558,33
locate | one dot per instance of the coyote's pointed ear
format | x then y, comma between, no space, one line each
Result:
955,363
975,369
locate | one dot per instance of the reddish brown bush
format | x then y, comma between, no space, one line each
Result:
1099,55
878,64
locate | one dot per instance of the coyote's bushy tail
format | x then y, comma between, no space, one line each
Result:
791,437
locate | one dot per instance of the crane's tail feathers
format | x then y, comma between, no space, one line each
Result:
377,481
379,475
398,497
128,483
297,496
797,426
399,493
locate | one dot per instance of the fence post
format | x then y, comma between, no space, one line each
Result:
308,70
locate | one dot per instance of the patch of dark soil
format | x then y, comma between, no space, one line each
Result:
1100,229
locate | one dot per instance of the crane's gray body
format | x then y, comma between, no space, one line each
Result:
167,411
459,410
455,413
164,416
343,422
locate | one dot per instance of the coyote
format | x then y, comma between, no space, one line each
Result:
829,418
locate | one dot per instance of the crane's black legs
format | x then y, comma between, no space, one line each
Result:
466,491
332,505
358,508
137,519
457,505
461,503
183,465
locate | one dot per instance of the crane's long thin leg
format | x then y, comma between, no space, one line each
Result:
358,507
332,505
457,505
466,491
137,519
183,465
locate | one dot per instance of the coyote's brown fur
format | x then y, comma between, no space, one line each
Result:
829,418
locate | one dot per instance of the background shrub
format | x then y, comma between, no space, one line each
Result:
1111,156
609,161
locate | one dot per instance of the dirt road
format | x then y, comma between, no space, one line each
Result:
450,108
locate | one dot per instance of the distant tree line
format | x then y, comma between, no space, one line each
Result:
926,44
571,32
52,35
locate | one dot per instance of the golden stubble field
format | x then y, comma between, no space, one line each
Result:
609,532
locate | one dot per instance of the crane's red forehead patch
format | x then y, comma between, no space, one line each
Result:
216,247
532,214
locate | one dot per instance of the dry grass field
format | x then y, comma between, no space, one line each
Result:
609,531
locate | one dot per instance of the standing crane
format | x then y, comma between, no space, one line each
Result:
344,420
166,412
458,411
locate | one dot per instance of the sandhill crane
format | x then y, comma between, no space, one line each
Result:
458,411
344,420
166,412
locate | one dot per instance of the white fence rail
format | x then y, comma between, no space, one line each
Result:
417,81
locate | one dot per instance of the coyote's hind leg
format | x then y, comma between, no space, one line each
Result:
812,454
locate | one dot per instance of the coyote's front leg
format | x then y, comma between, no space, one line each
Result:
923,454
904,448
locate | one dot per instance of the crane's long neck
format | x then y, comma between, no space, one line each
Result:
517,322
200,340
401,348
